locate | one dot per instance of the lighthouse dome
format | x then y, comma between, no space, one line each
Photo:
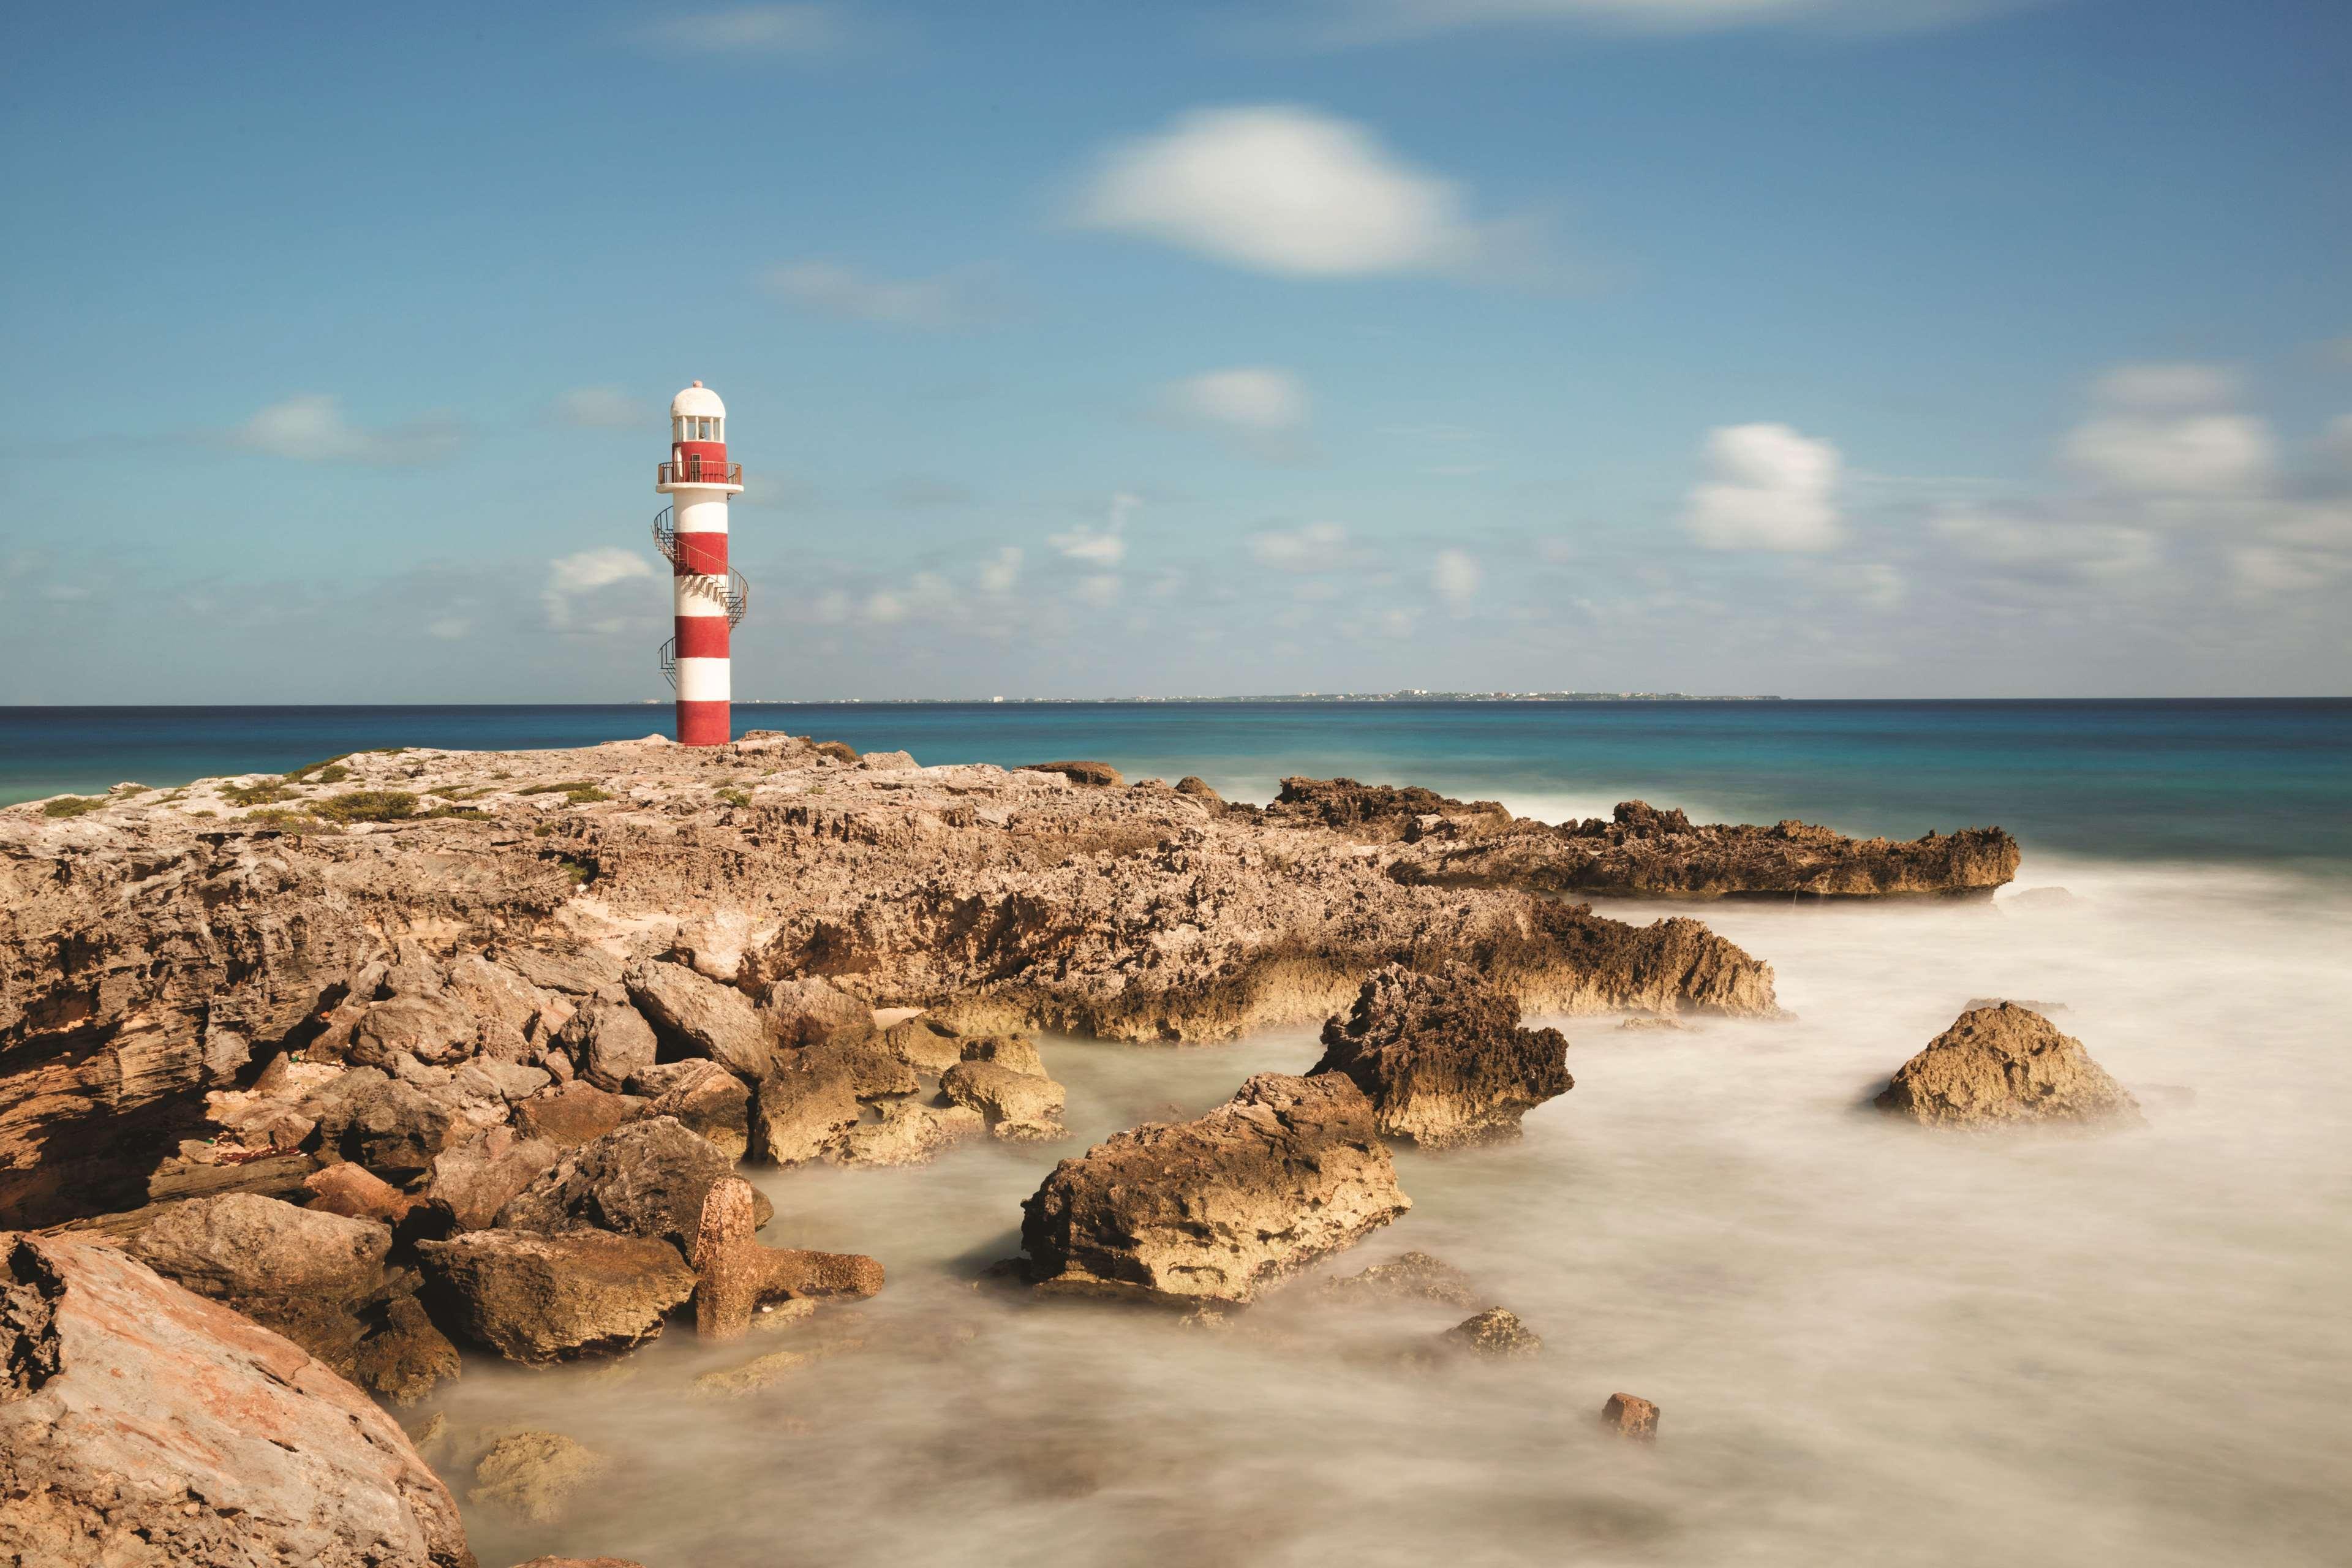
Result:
697,401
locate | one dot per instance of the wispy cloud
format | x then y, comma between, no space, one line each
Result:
964,297
1770,488
605,408
310,427
571,578
1455,575
1316,547
1103,546
790,31
1259,408
1360,22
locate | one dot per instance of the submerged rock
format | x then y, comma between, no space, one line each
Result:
1410,1276
2005,1065
908,1133
539,1298
1288,1170
141,1425
1020,1107
1442,1057
1629,1416
534,1474
1494,1333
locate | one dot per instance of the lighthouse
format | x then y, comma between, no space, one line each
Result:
710,596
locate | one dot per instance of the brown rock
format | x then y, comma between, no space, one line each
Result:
926,1044
578,1112
470,1184
615,1043
1494,1333
707,1099
2005,1065
533,1476
1198,788
908,1133
1288,1170
356,1192
1018,1052
1019,1106
875,1072
704,1018
1097,775
1630,1416
803,1108
142,1426
242,1247
1442,1057
408,1358
539,1298
727,1267
805,1010
650,1178
581,1562
795,1273
1414,1276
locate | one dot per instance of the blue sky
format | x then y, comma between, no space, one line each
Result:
1807,346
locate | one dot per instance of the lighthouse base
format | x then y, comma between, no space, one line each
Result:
704,724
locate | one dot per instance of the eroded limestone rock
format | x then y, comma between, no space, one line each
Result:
1442,1057
2006,1066
539,1298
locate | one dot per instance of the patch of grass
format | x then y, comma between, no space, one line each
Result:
734,796
458,813
286,821
581,873
331,770
203,814
382,751
367,805
73,805
266,792
542,831
175,798
579,792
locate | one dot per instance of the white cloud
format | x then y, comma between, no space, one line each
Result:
830,288
1258,408
1100,589
1383,21
1106,546
2169,430
885,608
449,628
1314,548
1772,488
1285,189
2161,386
1874,585
1399,623
606,408
830,609
571,577
1001,574
310,427
2050,546
2337,441
803,30
1455,575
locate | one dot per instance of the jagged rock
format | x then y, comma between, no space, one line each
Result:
926,1044
436,1029
357,1192
707,1097
470,1184
1097,775
875,1072
395,1129
1410,1276
703,1016
408,1358
539,1298
580,973
803,1108
615,1043
1288,1170
648,1179
241,1247
487,1082
1629,1416
1019,1106
533,1475
2005,1065
1017,1052
142,1427
805,1010
908,1133
1494,1333
577,1113
1192,784
1442,1057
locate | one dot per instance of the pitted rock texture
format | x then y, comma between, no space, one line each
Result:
518,921
1442,1057
1287,1171
2005,1066
142,1426
649,1179
1642,850
542,1299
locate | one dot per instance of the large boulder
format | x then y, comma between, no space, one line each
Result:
803,1108
1286,1171
2002,1066
539,1298
647,1179
614,1043
1020,1107
701,1016
142,1427
470,1184
1443,1058
705,1097
575,1113
241,1247
805,1010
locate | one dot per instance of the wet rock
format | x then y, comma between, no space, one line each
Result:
804,1011
803,1108
539,1298
356,1192
1636,1026
1494,1333
1288,1170
1630,1416
1019,1106
648,1179
1095,775
407,1357
875,1069
704,1018
908,1133
615,1043
533,1476
1442,1057
707,1097
1018,1052
141,1424
1410,1276
926,1044
577,1113
821,1276
2044,1007
470,1184
2005,1065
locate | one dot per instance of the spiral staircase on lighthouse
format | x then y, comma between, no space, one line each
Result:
738,591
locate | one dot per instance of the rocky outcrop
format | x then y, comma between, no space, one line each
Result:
1642,850
1442,1057
704,1018
1095,775
1410,1276
805,1009
142,1426
470,1184
647,1179
1020,1107
705,1097
1288,1170
539,1298
1496,1331
803,1108
907,1132
2005,1066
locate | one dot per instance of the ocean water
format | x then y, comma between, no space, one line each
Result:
1871,1343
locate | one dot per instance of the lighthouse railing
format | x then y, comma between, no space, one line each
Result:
693,471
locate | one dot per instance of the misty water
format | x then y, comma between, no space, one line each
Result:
1870,1342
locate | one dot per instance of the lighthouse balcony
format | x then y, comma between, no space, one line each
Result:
697,474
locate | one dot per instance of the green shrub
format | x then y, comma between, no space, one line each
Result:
331,770
734,796
285,821
73,805
581,873
458,812
579,792
266,792
367,805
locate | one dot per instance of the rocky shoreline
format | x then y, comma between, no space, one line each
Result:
415,1050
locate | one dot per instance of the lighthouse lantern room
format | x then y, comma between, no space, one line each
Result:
710,596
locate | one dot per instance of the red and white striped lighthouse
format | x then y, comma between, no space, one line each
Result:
710,596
